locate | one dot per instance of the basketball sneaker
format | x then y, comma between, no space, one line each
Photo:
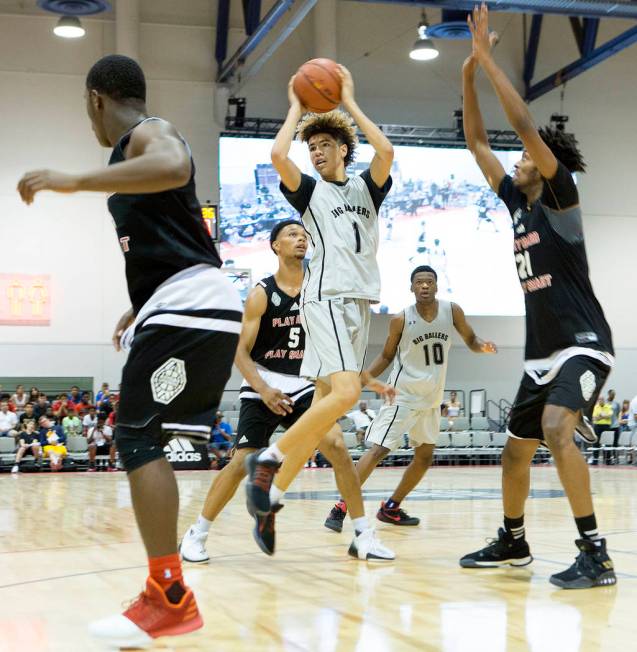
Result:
505,550
264,533
260,476
395,516
193,546
586,431
592,567
367,547
149,616
337,515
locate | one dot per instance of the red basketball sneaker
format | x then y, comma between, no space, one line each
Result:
149,616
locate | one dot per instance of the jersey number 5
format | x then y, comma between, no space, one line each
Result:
295,333
438,353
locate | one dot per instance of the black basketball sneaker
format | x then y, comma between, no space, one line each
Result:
592,567
395,516
503,551
260,476
337,515
264,532
586,431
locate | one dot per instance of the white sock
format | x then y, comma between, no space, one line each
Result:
271,453
275,494
360,524
202,524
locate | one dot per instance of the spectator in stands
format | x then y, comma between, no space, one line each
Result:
453,406
85,402
221,436
624,417
52,440
89,420
33,395
41,406
74,395
62,407
19,399
71,423
602,419
632,416
101,442
112,417
103,393
27,416
28,443
224,424
614,424
362,418
8,420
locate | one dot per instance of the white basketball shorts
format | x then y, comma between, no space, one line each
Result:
394,421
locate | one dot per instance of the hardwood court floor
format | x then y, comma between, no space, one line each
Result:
69,552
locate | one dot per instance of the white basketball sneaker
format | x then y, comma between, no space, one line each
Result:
367,547
193,546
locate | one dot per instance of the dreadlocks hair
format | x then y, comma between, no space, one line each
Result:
337,124
564,147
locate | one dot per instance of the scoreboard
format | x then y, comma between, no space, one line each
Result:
210,215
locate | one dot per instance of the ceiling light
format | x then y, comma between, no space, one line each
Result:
69,27
423,49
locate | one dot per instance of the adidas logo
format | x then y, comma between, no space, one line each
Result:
295,306
181,450
243,439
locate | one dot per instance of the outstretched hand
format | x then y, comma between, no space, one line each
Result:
488,347
293,98
483,41
33,182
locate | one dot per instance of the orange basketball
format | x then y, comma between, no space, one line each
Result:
318,85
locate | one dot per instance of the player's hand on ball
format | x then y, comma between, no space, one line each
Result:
489,347
32,182
347,86
293,98
277,401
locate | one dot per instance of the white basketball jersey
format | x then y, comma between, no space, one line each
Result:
420,366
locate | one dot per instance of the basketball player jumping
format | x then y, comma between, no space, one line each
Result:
182,328
418,343
340,214
269,355
569,350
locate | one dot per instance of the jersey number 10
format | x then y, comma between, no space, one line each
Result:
437,353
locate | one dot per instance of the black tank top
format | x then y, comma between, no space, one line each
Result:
280,343
160,233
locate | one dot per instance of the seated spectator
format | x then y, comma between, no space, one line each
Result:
71,424
52,440
19,399
362,418
101,395
84,403
33,395
62,407
221,436
101,442
89,420
27,416
74,395
453,406
8,420
41,406
28,444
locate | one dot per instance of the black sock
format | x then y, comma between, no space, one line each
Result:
587,528
392,504
515,526
175,592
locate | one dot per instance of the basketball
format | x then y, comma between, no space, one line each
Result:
318,85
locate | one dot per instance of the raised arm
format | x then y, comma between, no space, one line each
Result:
255,307
474,132
467,333
157,159
387,355
287,169
514,106
380,166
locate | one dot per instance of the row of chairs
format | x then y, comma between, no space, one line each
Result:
77,448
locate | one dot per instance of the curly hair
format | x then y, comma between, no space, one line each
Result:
564,147
337,124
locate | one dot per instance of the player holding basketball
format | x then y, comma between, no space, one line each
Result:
340,214
269,355
418,344
182,327
569,350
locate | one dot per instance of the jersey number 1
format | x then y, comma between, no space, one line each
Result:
438,353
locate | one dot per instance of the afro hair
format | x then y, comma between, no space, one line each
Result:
337,124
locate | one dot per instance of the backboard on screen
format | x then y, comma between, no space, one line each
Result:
241,279
439,212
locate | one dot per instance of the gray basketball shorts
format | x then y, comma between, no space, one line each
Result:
336,333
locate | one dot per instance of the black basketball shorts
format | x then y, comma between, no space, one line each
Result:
172,384
576,387
257,422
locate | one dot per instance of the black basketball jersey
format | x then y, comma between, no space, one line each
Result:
561,308
280,343
160,233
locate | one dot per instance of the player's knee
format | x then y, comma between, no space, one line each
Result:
558,431
512,457
379,452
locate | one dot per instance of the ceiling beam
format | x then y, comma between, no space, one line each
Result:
530,56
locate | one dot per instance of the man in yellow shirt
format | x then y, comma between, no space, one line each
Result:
602,420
